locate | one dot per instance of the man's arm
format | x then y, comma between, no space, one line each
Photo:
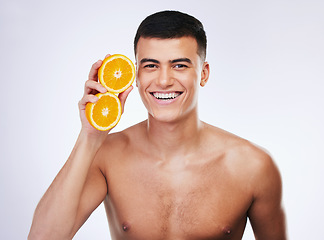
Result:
80,185
60,210
266,213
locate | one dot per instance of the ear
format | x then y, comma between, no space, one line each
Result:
204,74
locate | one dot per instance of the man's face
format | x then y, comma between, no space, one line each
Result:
168,75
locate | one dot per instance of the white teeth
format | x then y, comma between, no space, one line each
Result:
166,95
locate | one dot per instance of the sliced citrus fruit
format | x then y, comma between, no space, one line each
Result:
105,113
116,73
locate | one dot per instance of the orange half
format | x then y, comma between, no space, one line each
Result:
105,113
116,73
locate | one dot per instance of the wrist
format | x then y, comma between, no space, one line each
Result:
92,139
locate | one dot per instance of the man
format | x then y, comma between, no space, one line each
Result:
171,176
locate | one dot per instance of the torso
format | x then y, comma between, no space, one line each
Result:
206,196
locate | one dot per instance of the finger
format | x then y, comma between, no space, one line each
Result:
92,87
108,55
123,96
86,99
93,74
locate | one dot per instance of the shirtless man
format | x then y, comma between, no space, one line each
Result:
171,176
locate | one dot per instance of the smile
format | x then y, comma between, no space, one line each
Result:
165,96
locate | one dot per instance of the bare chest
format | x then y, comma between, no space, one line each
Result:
197,202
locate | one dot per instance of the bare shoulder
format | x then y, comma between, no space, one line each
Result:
118,143
244,158
253,169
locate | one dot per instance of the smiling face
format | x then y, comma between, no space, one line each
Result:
169,72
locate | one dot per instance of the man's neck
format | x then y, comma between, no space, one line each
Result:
171,139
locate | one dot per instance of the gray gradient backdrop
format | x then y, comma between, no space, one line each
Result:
266,85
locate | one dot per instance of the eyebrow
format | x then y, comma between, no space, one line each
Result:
181,60
144,60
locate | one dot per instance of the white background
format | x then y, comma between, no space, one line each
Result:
266,85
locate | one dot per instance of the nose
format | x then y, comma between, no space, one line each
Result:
164,79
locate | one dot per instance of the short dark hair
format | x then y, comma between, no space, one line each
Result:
172,24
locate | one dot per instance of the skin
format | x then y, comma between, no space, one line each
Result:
169,177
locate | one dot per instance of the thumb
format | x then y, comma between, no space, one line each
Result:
123,96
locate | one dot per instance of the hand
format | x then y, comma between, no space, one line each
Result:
92,87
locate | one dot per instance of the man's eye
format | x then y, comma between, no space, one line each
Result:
180,66
150,66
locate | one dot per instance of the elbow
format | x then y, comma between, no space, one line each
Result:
35,236
41,236
38,234
38,231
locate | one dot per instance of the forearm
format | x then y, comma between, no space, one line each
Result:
56,213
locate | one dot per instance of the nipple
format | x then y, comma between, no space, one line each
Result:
227,230
125,227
